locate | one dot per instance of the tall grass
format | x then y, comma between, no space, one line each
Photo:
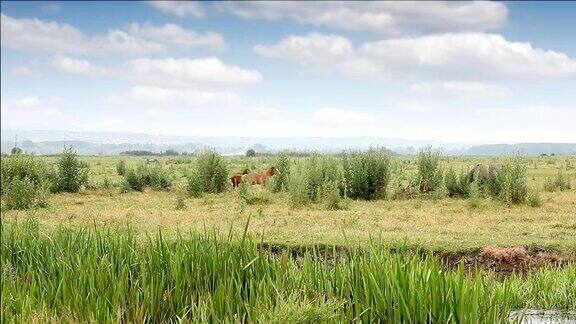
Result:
104,276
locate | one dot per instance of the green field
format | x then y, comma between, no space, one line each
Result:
175,257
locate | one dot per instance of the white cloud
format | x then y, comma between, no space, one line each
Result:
185,72
343,116
177,36
22,71
51,7
444,56
30,111
383,17
75,66
179,8
320,53
183,97
452,89
35,34
53,37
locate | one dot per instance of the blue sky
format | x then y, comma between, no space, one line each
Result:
457,72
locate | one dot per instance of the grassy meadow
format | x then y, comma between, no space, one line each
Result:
118,239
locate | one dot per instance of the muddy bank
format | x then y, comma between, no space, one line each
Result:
503,261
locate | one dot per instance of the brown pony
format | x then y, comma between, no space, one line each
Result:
236,178
261,177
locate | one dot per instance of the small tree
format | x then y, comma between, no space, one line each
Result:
72,173
250,153
16,150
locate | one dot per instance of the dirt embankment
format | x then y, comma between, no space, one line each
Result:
499,260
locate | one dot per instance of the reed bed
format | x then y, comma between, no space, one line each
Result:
115,275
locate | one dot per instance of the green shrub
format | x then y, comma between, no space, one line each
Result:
534,199
25,181
248,196
298,186
212,170
429,175
194,185
331,196
456,184
512,180
319,170
366,174
559,182
474,196
121,167
19,194
402,187
282,176
147,176
72,173
180,200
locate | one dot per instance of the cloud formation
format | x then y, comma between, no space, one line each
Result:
381,17
179,8
451,56
31,34
185,72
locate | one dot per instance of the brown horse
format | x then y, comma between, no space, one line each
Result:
261,177
236,178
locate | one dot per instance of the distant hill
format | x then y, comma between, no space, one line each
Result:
110,143
523,148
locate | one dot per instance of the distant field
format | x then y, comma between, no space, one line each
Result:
451,224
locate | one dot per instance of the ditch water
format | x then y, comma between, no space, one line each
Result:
538,316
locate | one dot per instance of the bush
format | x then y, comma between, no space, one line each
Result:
16,150
456,184
512,181
534,199
559,182
298,186
331,196
212,170
402,187
247,196
319,170
147,176
72,173
180,200
194,185
474,195
121,167
429,175
250,153
25,181
282,176
366,174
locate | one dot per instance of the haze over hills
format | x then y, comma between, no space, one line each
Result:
109,143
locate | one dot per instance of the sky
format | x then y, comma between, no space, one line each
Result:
461,72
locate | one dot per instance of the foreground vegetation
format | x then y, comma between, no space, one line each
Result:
94,275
